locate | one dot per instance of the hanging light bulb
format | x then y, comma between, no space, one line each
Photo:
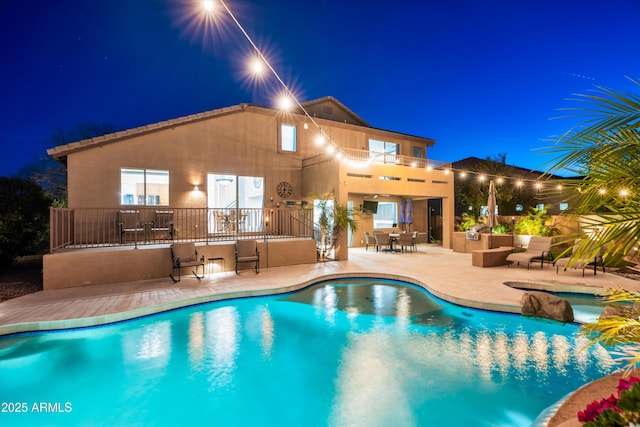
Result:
208,5
257,66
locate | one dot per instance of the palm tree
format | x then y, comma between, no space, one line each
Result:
604,149
334,218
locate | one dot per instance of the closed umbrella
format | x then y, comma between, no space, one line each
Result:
492,219
402,217
407,215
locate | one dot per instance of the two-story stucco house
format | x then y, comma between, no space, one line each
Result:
235,171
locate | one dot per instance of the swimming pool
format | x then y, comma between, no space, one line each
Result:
339,353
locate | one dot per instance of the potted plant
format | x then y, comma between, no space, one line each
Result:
334,219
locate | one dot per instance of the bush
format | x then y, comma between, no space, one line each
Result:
24,219
535,223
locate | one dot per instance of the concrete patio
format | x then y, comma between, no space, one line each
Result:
446,274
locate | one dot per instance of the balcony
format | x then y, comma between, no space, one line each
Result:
79,228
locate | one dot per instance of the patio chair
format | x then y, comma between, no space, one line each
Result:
247,251
405,241
539,248
581,262
163,222
185,255
369,240
129,223
414,239
383,240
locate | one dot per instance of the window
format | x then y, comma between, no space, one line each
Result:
386,216
231,194
564,206
144,187
383,150
540,206
418,152
231,191
288,138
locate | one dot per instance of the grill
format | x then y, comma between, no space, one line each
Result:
474,232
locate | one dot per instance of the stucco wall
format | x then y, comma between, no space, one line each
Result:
97,267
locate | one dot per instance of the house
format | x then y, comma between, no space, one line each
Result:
519,188
244,169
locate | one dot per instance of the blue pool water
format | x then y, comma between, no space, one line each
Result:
340,353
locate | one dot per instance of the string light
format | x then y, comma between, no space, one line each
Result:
287,100
292,99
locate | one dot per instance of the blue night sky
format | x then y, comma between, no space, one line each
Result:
479,77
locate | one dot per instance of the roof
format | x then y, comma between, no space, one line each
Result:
327,108
324,108
474,162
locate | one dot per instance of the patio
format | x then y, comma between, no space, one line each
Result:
430,266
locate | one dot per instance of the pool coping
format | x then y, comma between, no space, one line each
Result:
119,316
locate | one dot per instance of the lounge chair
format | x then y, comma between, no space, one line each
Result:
539,248
382,241
185,255
581,262
247,251
405,241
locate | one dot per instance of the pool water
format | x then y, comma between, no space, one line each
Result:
339,353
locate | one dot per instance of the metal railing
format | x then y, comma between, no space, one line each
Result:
76,228
395,159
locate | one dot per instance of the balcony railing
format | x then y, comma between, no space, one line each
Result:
394,159
133,226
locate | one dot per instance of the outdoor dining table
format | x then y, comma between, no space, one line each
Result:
392,238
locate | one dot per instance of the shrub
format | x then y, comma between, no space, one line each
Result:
24,219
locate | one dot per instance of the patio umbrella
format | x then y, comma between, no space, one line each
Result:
407,215
492,220
402,218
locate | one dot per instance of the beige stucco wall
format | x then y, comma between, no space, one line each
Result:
245,141
98,267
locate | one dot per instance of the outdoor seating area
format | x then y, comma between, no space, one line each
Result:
184,255
247,251
539,248
392,242
581,263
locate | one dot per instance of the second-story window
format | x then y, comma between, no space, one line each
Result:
383,151
288,138
144,187
418,152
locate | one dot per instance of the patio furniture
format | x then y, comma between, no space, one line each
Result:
185,255
369,240
129,223
581,262
163,222
247,251
414,239
539,248
383,241
212,261
405,240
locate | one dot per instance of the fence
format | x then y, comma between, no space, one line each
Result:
75,228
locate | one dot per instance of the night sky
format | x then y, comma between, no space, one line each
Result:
479,77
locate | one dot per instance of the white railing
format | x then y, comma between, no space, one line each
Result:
395,159
133,226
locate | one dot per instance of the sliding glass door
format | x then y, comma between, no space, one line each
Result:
235,203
